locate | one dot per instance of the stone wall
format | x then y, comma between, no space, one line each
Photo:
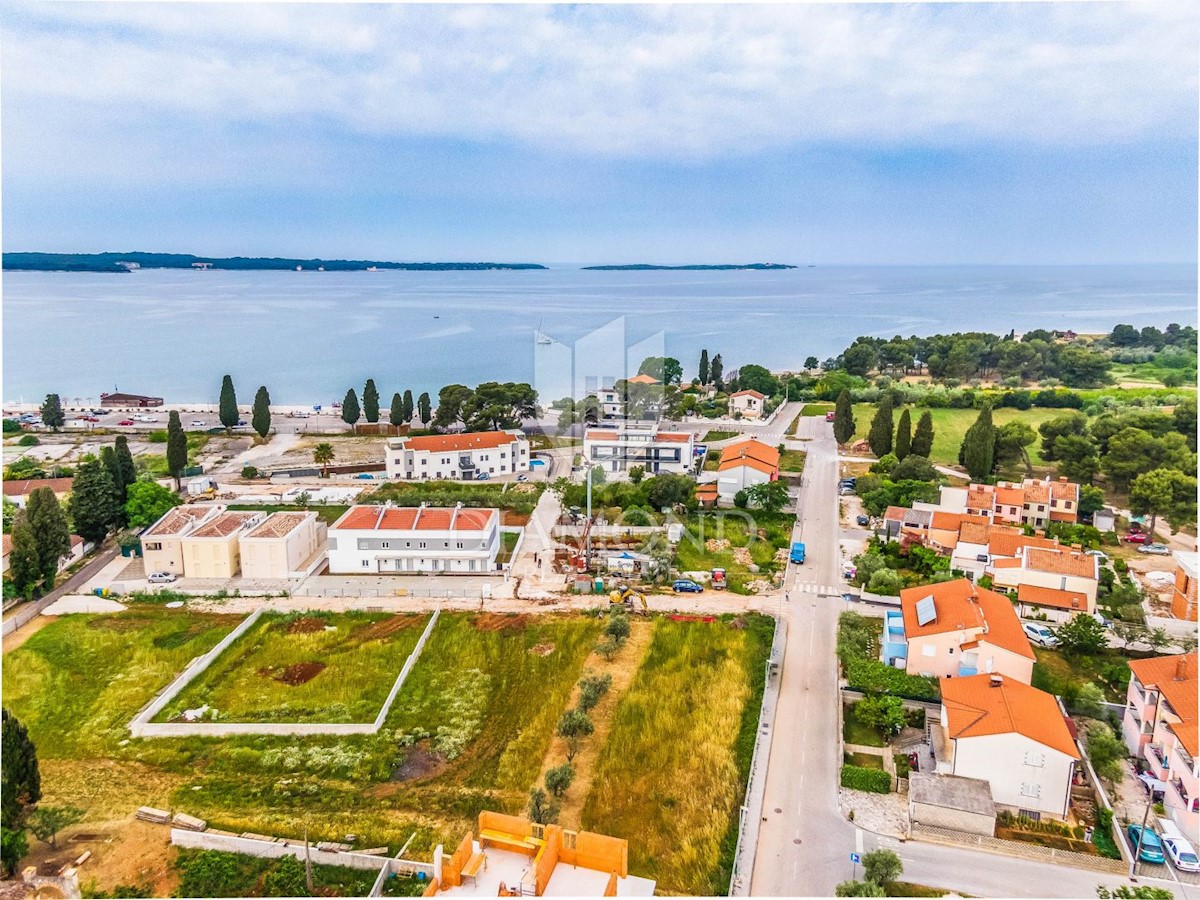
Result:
1016,848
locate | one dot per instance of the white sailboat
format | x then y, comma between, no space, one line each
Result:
540,336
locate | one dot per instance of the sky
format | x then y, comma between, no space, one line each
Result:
828,133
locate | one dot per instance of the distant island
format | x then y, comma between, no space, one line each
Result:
126,262
644,267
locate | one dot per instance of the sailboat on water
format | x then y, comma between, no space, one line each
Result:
540,336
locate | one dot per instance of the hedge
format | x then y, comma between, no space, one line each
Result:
874,677
876,781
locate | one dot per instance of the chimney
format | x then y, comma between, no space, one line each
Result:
1062,479
995,680
1181,668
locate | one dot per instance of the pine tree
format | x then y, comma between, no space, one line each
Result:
20,779
228,408
409,409
396,413
51,534
93,501
52,412
177,447
880,435
843,419
903,444
922,441
127,467
350,411
704,366
425,409
24,564
371,401
715,370
260,418
978,451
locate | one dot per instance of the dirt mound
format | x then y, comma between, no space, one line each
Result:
296,673
420,763
714,545
494,622
542,649
741,556
306,625
389,626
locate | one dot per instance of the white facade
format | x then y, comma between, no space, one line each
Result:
736,478
285,545
458,457
619,449
370,540
748,403
1023,773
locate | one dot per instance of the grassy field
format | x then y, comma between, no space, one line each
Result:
816,409
718,435
855,732
676,799
712,459
1057,672
863,760
310,667
792,461
508,543
761,535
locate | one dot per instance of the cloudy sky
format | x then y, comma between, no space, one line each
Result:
873,133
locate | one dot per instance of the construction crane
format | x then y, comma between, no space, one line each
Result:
628,597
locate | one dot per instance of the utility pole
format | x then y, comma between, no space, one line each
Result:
1137,851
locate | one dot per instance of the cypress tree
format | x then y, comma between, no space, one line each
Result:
396,413
843,419
228,408
704,366
24,564
903,444
93,501
715,370
978,451
260,418
108,458
20,780
52,537
425,409
409,409
371,401
127,467
922,441
350,411
52,412
177,449
880,435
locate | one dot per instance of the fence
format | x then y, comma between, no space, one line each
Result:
850,695
1036,852
430,593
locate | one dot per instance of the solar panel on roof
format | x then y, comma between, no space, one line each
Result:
926,612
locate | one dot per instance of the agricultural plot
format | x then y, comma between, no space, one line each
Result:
672,775
736,540
305,667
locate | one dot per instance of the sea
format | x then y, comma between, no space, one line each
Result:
308,336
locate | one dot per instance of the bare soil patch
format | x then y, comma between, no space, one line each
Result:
421,763
542,649
386,627
494,622
296,673
25,632
306,625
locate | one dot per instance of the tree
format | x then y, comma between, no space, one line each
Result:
884,714
903,444
409,409
812,363
843,418
664,368
20,778
24,563
637,473
424,409
559,779
769,496
371,401
10,513
52,536
108,458
1071,423
396,410
286,879
882,867
715,370
979,446
47,821
703,372
591,689
177,447
227,409
1082,635
1166,492
126,468
1012,439
1089,701
1106,751
323,456
573,726
1091,499
669,490
858,889
542,810
350,410
148,502
1185,420
494,405
13,846
913,468
860,357
451,399
260,417
1078,457
1124,336
882,427
93,502
1134,451
757,378
52,412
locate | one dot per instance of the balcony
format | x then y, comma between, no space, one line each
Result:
964,670
1158,759
895,645
1191,804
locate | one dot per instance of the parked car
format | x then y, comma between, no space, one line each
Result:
683,586
1154,788
198,423
522,478
849,481
89,418
161,577
863,520
1154,549
1152,848
1136,537
1099,554
481,476
1039,634
829,416
1179,848
102,412
125,422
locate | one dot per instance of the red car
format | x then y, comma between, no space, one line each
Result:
88,419
1136,537
125,422
829,417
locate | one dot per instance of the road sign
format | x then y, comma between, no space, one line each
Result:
855,858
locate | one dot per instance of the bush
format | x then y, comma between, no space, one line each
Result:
157,437
559,779
874,677
876,781
12,426
886,581
249,472
617,628
591,689
29,440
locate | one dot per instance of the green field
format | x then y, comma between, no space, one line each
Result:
310,667
327,514
740,529
671,776
792,461
710,436
816,409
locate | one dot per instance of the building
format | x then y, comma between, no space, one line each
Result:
656,451
119,399
457,456
956,629
1033,502
1012,736
745,463
284,545
1159,726
748,403
979,545
511,856
1060,574
162,542
612,406
368,540
1105,519
948,801
212,549
18,491
79,549
1183,596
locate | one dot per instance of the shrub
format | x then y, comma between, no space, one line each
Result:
249,472
874,677
617,628
29,440
559,779
886,581
591,689
876,781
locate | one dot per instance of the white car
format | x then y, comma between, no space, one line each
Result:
1156,549
144,419
1099,554
1182,853
198,423
1039,634
161,577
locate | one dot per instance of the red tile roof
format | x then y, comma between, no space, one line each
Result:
177,520
406,518
1176,678
28,486
1052,597
643,379
223,525
747,393
1008,541
750,452
1037,492
976,708
946,521
280,524
1010,496
1060,562
962,605
474,440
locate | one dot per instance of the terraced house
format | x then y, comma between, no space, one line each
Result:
460,457
370,540
1059,582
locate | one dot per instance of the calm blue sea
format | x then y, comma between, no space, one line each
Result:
310,335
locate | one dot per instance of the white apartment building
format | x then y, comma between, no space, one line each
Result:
459,457
619,449
369,540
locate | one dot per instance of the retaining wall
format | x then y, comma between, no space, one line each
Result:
1020,849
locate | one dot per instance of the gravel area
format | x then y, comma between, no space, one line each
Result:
880,813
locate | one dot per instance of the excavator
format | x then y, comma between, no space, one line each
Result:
628,597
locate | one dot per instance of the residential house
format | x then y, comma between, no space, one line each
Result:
288,544
18,492
979,545
79,549
748,403
612,406
1060,573
212,549
899,522
457,456
957,629
1183,597
707,494
745,463
1160,725
387,539
1010,735
1033,502
162,542
639,444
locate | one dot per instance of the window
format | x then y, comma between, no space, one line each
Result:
384,544
1029,789
333,543
1034,758
154,546
928,650
366,562
421,545
459,545
424,461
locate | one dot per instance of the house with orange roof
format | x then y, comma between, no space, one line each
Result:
1059,574
370,540
980,545
212,547
1183,595
1034,502
1162,710
17,491
459,457
618,448
956,629
79,549
745,463
287,544
1012,736
162,542
749,404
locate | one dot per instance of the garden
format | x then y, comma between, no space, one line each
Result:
517,499
751,547
214,873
